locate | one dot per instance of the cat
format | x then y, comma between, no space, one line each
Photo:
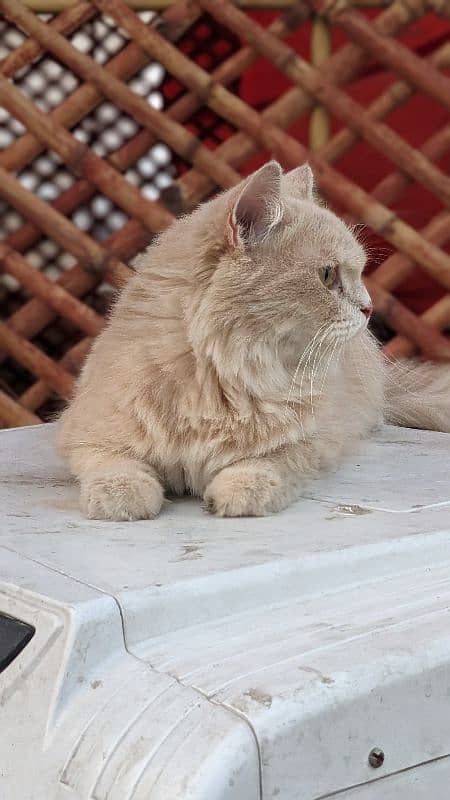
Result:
236,363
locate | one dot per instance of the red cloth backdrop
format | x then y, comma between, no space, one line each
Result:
415,121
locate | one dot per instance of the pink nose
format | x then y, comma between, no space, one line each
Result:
367,311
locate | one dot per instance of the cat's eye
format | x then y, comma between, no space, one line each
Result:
328,275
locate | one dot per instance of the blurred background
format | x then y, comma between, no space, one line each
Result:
108,123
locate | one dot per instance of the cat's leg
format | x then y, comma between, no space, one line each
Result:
256,487
116,487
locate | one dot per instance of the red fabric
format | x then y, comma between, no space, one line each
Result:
415,121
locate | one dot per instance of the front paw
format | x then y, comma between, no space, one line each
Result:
244,492
120,497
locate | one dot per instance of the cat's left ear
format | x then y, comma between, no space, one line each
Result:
301,181
258,207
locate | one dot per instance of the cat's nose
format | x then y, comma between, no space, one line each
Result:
367,311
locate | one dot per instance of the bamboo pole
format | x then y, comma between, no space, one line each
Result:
52,6
60,300
272,137
438,316
174,22
39,392
343,66
82,190
440,7
319,125
241,53
35,315
67,22
49,6
389,189
176,136
78,105
397,267
401,319
314,82
14,414
395,55
393,97
36,362
82,161
192,186
90,254
76,195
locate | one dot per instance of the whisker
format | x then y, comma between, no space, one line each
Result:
318,359
305,355
336,342
305,367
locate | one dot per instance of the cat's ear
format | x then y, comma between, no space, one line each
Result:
257,208
301,182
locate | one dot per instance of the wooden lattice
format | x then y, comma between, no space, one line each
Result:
212,134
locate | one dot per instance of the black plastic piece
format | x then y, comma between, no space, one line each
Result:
14,636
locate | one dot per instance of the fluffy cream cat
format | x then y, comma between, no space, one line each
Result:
236,362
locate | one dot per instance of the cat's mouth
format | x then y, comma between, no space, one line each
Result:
346,329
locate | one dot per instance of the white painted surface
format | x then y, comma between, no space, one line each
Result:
280,649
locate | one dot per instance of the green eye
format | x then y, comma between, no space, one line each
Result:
328,276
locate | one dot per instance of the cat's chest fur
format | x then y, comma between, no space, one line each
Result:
193,440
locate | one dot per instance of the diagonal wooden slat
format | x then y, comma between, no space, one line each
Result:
81,102
397,94
36,314
123,245
395,55
440,7
438,316
138,145
193,187
83,161
14,414
398,266
68,21
58,298
181,140
395,182
401,319
290,151
342,105
89,253
33,359
343,66
39,392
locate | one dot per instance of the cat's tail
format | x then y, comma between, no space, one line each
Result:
417,395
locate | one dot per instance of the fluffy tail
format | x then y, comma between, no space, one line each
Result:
417,395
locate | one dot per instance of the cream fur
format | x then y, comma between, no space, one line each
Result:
227,368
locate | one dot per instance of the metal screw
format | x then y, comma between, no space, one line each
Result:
376,757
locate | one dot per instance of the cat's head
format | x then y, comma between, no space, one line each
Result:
285,266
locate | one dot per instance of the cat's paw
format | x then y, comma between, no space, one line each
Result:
244,492
120,497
